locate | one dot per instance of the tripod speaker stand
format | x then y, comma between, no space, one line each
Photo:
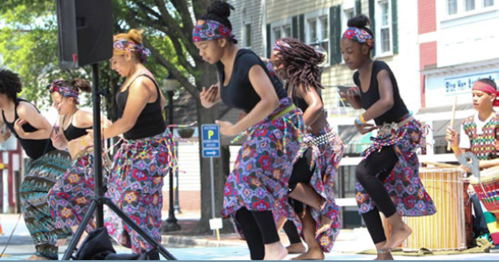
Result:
85,31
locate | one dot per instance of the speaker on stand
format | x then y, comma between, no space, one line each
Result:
85,36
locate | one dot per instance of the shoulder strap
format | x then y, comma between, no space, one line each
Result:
155,84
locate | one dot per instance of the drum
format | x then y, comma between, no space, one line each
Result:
487,189
446,229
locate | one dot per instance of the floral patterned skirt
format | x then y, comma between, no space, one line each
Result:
264,163
326,156
70,197
135,186
403,183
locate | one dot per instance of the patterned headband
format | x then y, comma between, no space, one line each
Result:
488,89
359,35
60,87
278,45
140,49
206,30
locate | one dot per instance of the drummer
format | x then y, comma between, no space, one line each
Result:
479,134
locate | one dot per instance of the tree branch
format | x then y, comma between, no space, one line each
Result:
182,8
172,70
176,45
174,30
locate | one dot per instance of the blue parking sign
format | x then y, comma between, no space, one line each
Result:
210,139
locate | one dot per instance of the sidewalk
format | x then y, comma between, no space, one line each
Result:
182,245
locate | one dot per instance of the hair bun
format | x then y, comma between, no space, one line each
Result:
359,21
220,9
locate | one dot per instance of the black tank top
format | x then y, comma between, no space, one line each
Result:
150,121
300,101
33,148
239,92
372,95
73,132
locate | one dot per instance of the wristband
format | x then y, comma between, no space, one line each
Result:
361,119
357,121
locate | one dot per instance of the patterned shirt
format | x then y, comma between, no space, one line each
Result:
482,144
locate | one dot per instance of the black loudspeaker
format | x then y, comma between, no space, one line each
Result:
85,32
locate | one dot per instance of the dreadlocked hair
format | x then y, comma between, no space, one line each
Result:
302,64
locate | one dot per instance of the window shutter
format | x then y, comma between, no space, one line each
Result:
358,7
302,28
335,33
373,25
294,25
395,31
269,41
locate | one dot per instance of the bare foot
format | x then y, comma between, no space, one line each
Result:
60,242
296,248
325,224
275,251
312,254
384,255
397,236
35,257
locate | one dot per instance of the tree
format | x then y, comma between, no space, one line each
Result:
168,25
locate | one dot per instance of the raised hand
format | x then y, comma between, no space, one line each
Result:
209,96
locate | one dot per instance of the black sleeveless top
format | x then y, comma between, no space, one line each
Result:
150,121
372,95
73,132
33,148
300,101
239,93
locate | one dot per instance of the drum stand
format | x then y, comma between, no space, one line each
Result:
99,200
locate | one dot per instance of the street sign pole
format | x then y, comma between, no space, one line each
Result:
211,148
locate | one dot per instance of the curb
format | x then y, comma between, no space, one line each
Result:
193,241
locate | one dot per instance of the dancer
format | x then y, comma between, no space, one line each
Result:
479,134
312,180
388,177
146,153
46,165
257,185
71,195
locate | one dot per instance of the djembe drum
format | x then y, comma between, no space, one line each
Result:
487,189
445,230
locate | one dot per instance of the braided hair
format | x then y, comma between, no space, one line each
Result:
302,64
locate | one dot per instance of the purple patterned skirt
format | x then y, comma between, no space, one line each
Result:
70,197
403,183
263,166
327,151
135,186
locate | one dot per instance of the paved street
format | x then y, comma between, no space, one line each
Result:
348,244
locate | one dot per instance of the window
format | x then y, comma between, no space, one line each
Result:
247,35
287,31
312,25
280,29
384,38
470,5
451,7
277,33
349,14
246,29
318,33
487,3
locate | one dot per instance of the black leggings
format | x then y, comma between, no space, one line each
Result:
301,174
289,227
259,229
301,171
371,173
